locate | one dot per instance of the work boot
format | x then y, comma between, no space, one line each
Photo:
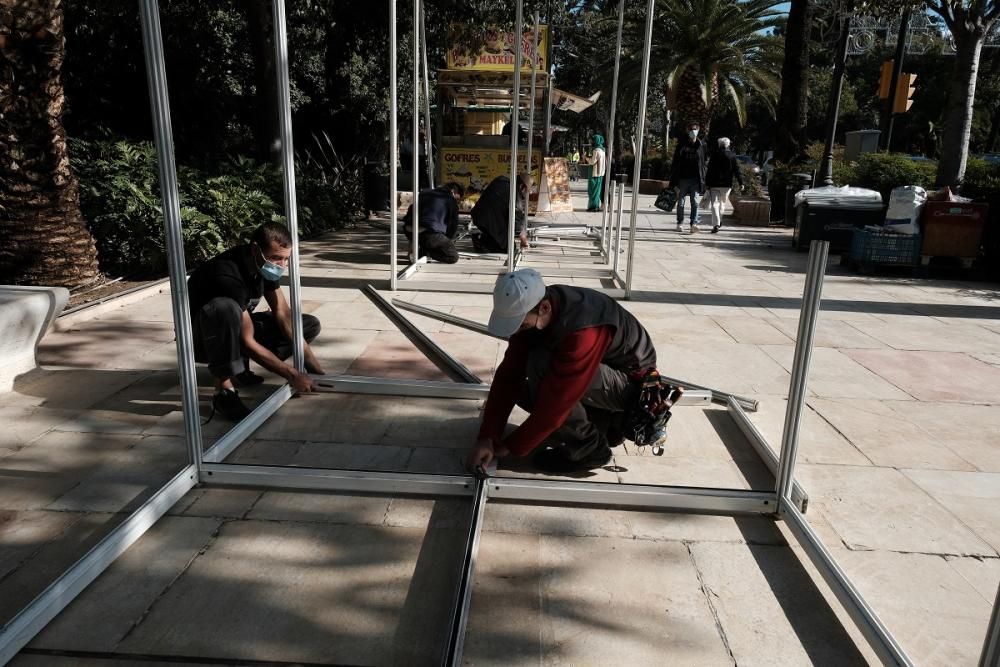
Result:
556,459
247,379
228,404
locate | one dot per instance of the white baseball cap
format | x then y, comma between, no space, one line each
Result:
514,295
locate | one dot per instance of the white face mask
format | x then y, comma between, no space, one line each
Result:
693,134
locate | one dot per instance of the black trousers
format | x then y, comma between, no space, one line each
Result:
586,426
217,326
437,246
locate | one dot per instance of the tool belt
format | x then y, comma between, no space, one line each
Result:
648,409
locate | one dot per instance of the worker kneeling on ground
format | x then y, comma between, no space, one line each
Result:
583,367
224,291
438,221
491,215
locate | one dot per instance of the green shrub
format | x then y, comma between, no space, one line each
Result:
120,199
751,182
885,171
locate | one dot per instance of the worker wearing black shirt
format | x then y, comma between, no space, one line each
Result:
224,292
438,222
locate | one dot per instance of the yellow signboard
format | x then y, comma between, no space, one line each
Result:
497,52
475,168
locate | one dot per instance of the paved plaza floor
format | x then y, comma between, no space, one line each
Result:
899,454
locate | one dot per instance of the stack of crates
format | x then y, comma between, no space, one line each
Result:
872,248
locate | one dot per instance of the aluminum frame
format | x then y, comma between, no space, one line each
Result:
60,593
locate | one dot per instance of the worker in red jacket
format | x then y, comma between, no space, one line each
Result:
583,367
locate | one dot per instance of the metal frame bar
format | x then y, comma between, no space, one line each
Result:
415,138
640,133
463,601
357,384
531,124
447,363
799,497
991,645
609,196
33,618
515,131
228,443
393,151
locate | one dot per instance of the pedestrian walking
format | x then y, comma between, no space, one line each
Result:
723,167
687,173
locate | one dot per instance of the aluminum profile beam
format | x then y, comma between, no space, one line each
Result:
634,496
287,478
764,450
463,602
609,192
233,438
393,151
288,179
718,396
991,646
878,636
808,317
447,363
356,384
33,618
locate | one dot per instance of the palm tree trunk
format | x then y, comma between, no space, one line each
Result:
793,106
267,134
45,238
958,112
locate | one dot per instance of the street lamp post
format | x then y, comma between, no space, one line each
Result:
837,87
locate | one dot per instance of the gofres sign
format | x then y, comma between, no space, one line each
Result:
498,51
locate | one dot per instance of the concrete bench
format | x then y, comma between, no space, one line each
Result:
26,313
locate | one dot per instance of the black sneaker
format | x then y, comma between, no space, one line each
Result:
556,459
247,379
228,404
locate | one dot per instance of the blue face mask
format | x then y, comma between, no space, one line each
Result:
269,270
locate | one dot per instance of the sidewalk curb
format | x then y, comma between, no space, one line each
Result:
69,320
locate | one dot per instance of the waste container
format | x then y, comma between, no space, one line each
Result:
834,223
953,229
796,183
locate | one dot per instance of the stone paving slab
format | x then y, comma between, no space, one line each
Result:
973,497
932,611
832,374
563,600
880,509
970,431
768,609
885,436
934,376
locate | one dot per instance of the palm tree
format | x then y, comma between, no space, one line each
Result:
704,49
45,238
790,141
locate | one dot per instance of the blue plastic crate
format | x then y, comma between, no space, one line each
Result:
870,248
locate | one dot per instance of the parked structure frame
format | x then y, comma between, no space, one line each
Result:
208,468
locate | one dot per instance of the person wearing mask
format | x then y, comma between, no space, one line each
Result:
438,222
599,163
687,174
491,216
223,292
723,167
582,365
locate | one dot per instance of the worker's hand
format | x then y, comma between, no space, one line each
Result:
481,456
523,237
301,383
314,369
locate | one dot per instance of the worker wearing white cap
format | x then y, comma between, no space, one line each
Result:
583,367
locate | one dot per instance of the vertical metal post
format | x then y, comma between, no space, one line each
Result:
531,121
897,69
991,647
818,251
548,94
159,102
393,153
833,109
428,143
640,132
415,140
515,119
288,172
606,215
618,232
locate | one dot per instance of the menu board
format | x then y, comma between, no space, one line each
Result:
474,169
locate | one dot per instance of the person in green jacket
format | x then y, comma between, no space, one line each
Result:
598,162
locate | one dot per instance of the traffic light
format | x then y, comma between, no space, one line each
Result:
885,79
904,93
